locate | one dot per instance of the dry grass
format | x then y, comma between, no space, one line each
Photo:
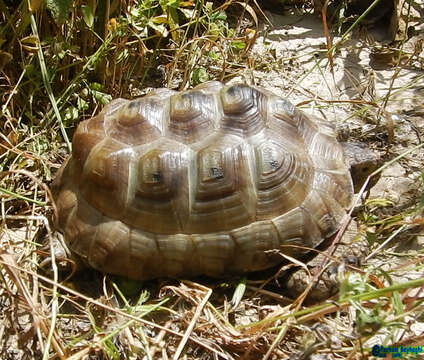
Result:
56,71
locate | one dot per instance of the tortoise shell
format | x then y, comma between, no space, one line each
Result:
210,181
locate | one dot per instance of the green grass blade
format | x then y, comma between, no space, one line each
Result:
47,84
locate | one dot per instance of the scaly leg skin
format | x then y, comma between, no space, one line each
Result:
349,253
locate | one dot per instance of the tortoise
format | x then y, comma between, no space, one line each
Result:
217,180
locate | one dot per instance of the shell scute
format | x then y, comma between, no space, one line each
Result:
320,140
193,115
254,245
136,123
143,252
323,215
282,110
283,178
104,181
335,183
157,196
223,194
85,139
81,227
110,247
244,110
213,253
297,228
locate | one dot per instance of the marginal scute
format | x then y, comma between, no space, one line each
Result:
79,236
214,252
144,255
255,245
282,110
67,201
110,248
177,252
318,209
216,180
335,183
297,228
81,228
65,198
